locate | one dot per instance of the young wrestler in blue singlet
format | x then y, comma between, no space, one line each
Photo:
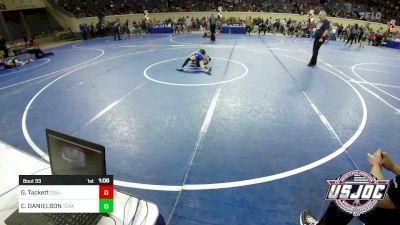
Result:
199,60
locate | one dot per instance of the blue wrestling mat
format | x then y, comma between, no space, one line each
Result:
252,144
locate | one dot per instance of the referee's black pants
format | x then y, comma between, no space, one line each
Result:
316,47
116,34
377,216
212,30
213,27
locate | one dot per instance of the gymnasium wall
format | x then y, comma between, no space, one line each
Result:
32,21
12,5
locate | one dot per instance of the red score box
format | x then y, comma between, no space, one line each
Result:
106,191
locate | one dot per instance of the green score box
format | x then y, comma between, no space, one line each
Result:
106,205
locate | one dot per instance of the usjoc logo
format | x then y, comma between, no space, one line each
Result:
356,192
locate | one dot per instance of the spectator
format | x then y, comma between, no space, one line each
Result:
175,25
268,24
131,30
262,27
353,35
360,34
188,24
84,30
364,38
282,26
3,46
371,38
100,29
126,29
249,25
24,37
275,26
291,28
339,31
92,31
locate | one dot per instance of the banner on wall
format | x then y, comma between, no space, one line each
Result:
10,5
370,15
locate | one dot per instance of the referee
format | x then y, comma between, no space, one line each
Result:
320,34
117,29
213,26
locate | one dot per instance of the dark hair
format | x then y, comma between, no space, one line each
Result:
202,51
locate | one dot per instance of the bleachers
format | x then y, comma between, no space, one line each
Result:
344,9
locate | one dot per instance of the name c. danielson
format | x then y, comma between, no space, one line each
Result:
44,206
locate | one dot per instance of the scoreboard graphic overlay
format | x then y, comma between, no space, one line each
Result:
66,194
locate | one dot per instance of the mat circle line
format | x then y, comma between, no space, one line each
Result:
212,186
147,76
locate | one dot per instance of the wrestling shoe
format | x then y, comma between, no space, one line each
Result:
209,71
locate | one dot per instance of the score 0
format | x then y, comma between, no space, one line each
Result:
106,195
